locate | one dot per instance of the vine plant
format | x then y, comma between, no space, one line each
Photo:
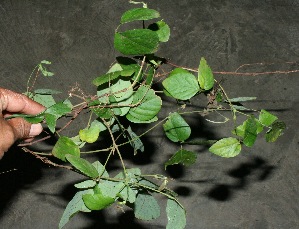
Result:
126,92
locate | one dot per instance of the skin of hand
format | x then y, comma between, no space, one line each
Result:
16,128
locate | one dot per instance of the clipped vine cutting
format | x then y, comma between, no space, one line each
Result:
125,93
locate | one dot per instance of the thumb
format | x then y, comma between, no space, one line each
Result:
24,129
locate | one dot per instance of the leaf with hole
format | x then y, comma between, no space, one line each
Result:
226,147
136,42
182,157
176,128
83,166
181,84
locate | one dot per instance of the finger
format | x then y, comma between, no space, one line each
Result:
17,103
7,137
23,129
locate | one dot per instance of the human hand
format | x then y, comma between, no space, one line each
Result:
16,128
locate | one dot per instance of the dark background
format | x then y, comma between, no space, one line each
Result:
257,189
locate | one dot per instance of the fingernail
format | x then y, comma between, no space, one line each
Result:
35,129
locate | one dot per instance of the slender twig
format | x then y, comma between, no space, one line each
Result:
46,160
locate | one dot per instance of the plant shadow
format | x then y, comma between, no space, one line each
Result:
255,170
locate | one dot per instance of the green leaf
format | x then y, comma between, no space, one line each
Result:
205,75
148,105
242,99
240,130
146,207
108,77
182,156
97,201
135,141
51,121
250,133
162,29
136,42
83,166
73,207
65,146
181,84
101,169
176,215
91,134
176,128
276,130
34,119
266,118
59,109
150,76
139,14
45,100
86,184
46,92
226,147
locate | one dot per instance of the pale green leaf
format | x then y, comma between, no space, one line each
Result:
176,128
86,184
111,188
83,166
181,84
136,42
101,169
46,91
205,75
73,207
266,118
65,146
146,207
139,14
242,99
182,157
176,215
226,147
91,134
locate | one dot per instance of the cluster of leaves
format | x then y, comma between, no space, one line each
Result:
125,92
